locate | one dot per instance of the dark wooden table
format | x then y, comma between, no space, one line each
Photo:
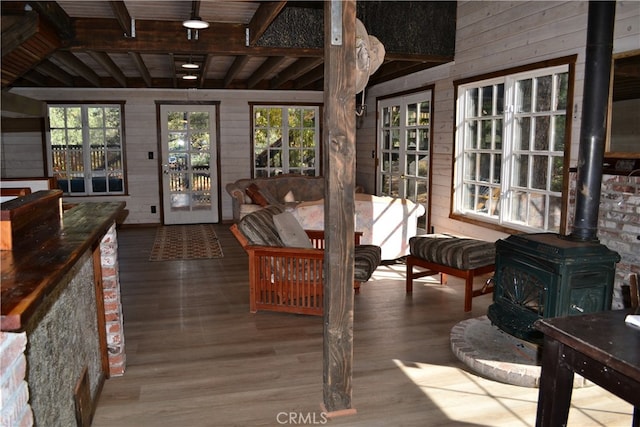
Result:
600,347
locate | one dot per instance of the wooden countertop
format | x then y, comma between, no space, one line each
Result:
30,272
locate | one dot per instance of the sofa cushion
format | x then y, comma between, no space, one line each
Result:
259,228
366,260
290,231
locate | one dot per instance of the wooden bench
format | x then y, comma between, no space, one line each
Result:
444,254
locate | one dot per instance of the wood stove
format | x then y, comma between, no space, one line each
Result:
547,275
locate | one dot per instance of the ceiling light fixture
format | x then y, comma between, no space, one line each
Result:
193,26
189,77
190,66
195,23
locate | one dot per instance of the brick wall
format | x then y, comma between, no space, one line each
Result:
15,411
618,225
112,303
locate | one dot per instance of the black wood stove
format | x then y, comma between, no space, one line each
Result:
547,275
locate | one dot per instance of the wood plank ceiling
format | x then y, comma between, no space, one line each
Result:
249,45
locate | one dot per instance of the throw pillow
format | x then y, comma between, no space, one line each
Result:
289,197
290,231
257,195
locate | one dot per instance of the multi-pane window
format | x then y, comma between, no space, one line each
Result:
286,139
510,145
86,152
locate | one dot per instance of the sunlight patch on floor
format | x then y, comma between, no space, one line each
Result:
465,397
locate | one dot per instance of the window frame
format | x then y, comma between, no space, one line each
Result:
285,168
87,173
505,186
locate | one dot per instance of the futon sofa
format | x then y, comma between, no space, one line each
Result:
387,222
286,262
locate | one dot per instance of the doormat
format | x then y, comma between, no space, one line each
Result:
193,241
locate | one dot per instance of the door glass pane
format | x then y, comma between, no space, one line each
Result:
544,86
539,175
412,114
523,96
541,142
487,101
423,138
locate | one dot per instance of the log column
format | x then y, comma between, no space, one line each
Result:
339,208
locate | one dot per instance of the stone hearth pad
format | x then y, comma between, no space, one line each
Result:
496,355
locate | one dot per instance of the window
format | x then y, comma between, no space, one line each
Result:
286,139
510,144
85,146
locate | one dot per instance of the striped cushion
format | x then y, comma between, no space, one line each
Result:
456,252
259,229
366,260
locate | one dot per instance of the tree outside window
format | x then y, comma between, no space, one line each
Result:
286,139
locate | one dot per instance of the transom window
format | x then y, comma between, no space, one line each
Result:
86,149
286,139
510,144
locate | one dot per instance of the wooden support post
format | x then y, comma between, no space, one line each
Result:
339,172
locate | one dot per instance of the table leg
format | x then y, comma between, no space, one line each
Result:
556,386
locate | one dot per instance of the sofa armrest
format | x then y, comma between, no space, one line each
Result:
317,237
237,194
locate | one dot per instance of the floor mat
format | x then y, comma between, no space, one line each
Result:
193,241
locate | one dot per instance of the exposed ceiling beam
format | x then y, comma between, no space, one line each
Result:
81,69
142,68
36,78
235,68
22,105
52,70
165,36
56,16
109,66
195,9
122,16
172,61
206,63
309,78
265,69
17,29
296,70
264,16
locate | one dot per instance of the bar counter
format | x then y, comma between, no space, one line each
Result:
32,270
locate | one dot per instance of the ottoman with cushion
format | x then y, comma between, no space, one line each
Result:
444,254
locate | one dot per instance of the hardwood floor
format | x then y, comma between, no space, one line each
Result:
197,357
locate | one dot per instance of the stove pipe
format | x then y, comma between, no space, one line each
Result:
593,128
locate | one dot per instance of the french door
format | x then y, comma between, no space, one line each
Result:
189,164
405,148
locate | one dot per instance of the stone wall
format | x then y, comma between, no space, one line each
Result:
63,340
